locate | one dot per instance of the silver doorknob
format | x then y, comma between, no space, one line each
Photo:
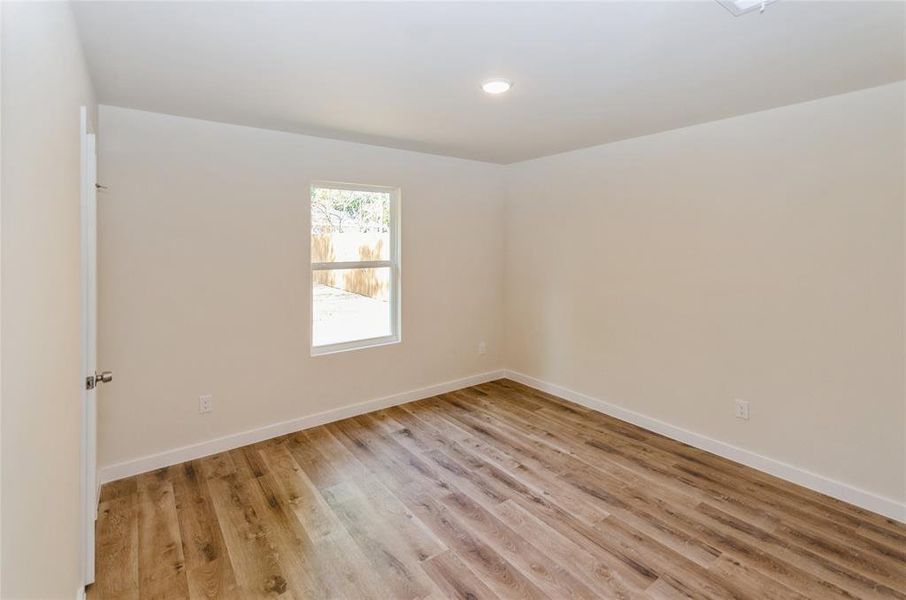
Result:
92,381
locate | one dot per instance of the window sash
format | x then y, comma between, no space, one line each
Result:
364,264
355,345
393,264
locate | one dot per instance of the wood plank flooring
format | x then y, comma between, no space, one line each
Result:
495,491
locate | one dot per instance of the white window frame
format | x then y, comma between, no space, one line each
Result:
393,263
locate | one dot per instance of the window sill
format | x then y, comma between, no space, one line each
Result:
355,345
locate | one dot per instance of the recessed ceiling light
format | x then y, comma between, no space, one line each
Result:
496,86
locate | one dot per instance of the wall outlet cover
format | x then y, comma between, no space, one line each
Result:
741,409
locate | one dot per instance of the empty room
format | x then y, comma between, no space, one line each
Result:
468,300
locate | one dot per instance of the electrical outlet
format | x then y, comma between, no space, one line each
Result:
205,403
482,348
741,410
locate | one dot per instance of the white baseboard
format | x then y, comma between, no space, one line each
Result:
80,593
830,487
244,438
835,489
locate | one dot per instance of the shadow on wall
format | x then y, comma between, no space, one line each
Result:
373,283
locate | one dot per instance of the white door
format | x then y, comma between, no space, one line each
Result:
89,348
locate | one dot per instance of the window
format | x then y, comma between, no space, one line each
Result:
355,274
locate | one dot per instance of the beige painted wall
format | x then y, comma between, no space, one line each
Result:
759,257
204,278
44,82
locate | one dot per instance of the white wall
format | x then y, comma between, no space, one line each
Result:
204,278
759,257
44,82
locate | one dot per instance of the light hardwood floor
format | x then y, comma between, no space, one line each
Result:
496,491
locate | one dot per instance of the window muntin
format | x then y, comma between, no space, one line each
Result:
355,266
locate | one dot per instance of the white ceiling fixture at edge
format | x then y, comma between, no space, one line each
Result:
404,74
741,7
